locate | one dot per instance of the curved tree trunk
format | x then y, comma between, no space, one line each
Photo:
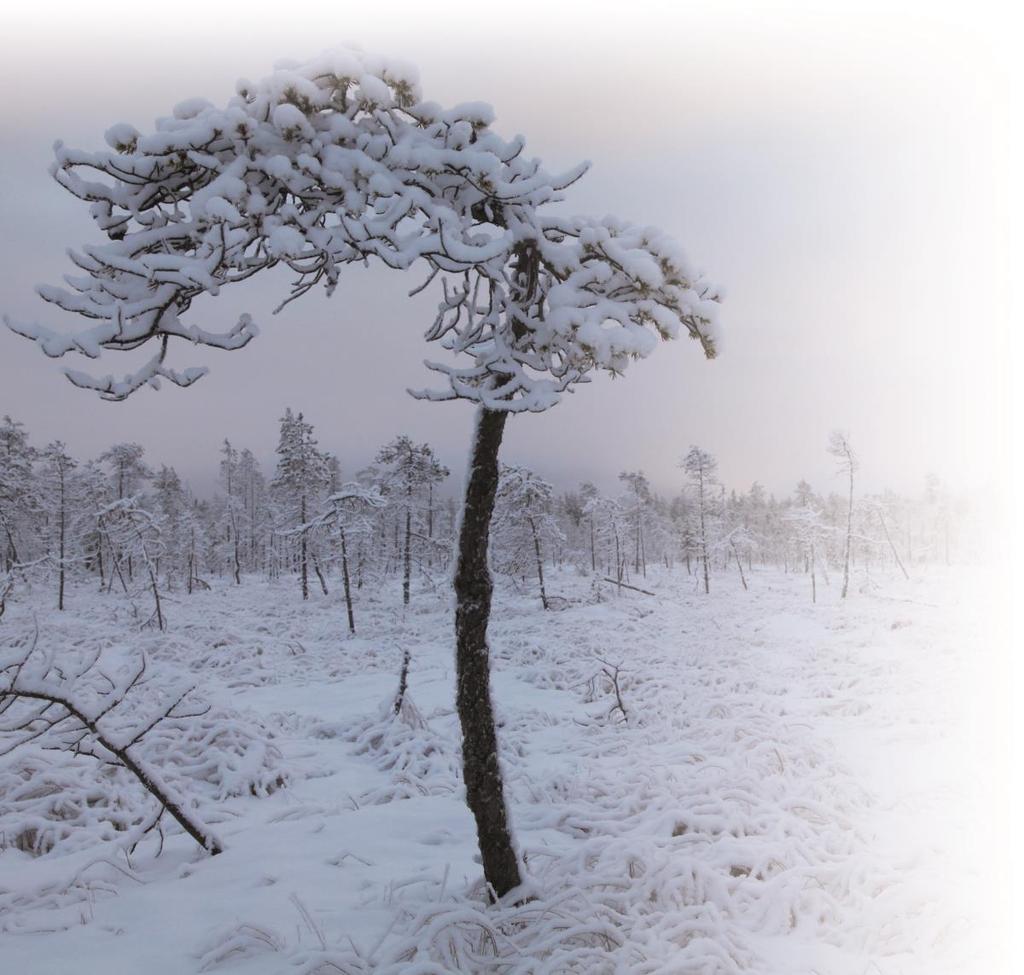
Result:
348,588
473,587
540,563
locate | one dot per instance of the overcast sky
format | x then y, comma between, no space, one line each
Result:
843,173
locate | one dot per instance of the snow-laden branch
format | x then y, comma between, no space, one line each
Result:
80,705
340,161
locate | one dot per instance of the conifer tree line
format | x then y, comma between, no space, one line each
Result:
129,525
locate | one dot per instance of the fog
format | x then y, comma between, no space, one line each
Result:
843,174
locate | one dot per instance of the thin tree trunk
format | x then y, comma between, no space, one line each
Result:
319,574
161,624
540,563
403,683
60,594
703,536
407,555
814,585
739,564
149,779
305,552
636,555
849,533
618,560
345,580
473,588
430,526
895,554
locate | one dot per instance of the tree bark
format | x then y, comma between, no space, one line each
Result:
407,553
814,584
473,587
540,563
149,779
739,564
345,579
305,549
703,536
849,533
63,524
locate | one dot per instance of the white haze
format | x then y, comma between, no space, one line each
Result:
843,172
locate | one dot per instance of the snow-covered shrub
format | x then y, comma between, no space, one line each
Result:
219,754
95,744
418,761
58,800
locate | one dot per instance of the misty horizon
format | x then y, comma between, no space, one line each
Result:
812,204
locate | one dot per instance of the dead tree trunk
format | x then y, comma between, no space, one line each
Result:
319,573
403,683
473,588
739,564
892,546
149,779
622,585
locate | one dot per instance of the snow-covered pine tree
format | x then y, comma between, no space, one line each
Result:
639,500
255,522
524,522
804,519
700,467
59,499
340,161
409,474
300,480
846,463
171,507
587,493
127,469
346,512
233,505
606,517
18,503
94,494
133,536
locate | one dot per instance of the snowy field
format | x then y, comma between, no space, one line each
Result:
794,788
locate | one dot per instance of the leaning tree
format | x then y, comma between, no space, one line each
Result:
340,161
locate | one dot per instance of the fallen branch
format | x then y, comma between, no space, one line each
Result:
624,585
81,728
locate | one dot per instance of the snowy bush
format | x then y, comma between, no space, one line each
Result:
94,745
417,760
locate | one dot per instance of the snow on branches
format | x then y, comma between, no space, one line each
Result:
338,161
86,734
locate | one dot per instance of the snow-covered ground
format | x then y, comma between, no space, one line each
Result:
795,788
